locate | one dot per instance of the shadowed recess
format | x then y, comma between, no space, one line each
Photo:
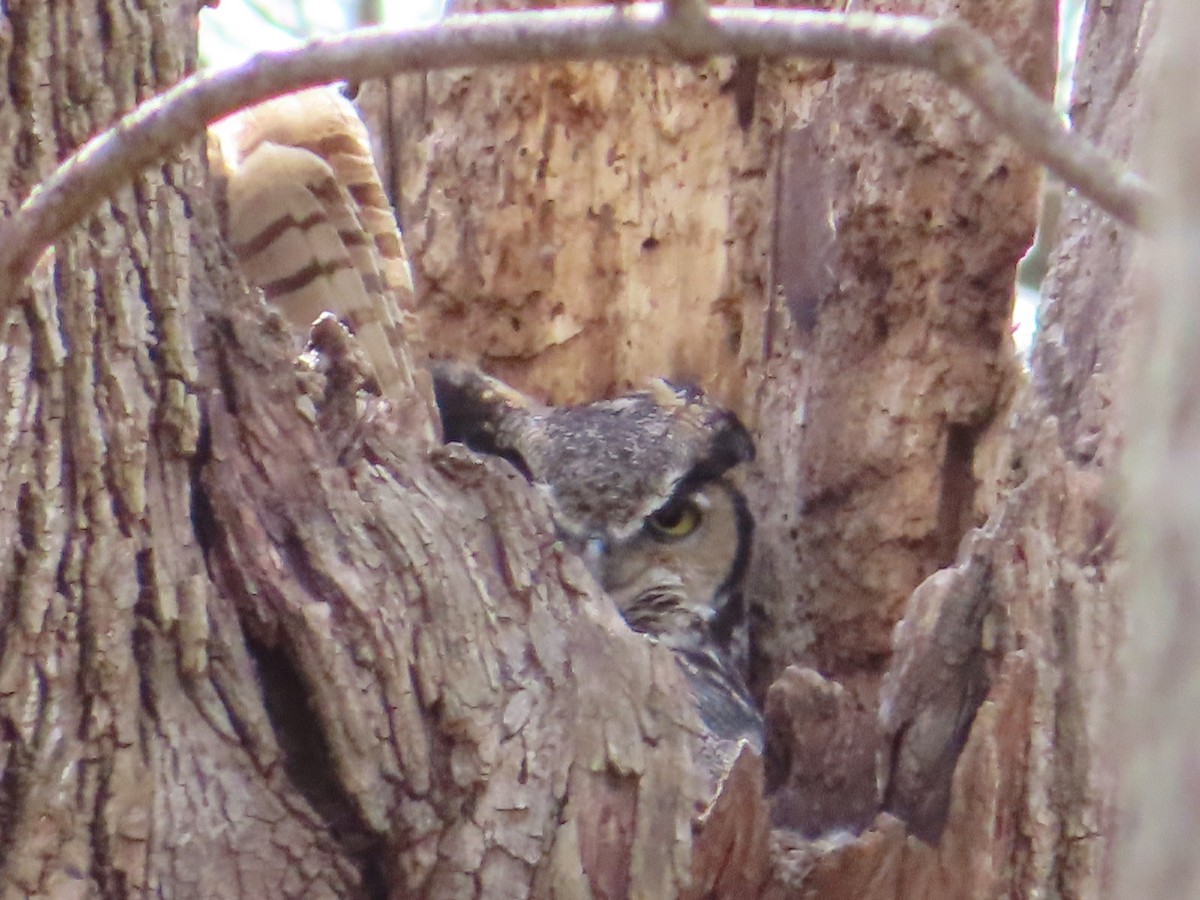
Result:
309,764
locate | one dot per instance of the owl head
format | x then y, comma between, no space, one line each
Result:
639,487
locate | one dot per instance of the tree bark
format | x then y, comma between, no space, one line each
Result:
258,637
100,422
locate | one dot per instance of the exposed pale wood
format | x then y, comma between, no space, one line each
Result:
582,228
892,415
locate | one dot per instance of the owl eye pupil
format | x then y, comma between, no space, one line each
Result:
669,517
675,520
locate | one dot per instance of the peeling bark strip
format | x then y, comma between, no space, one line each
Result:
935,683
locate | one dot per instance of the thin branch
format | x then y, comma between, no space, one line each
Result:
950,50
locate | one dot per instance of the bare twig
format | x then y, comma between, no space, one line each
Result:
950,50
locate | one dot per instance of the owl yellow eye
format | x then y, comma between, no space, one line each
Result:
677,519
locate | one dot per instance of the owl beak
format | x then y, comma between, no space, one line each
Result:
593,557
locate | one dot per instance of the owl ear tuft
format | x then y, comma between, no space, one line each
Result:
730,445
474,408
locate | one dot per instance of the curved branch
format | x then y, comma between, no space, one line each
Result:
681,31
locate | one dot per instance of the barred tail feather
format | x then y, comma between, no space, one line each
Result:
310,223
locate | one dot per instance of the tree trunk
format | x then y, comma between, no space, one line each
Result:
1156,741
258,637
261,643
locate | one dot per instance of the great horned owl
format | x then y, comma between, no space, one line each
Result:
639,488
638,485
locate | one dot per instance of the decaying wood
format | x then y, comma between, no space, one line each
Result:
1031,797
1030,802
861,275
572,235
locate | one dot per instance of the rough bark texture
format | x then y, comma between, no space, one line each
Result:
429,702
100,569
259,638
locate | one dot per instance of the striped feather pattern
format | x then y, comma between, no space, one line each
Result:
311,225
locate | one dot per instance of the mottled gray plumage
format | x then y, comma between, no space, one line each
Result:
639,487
